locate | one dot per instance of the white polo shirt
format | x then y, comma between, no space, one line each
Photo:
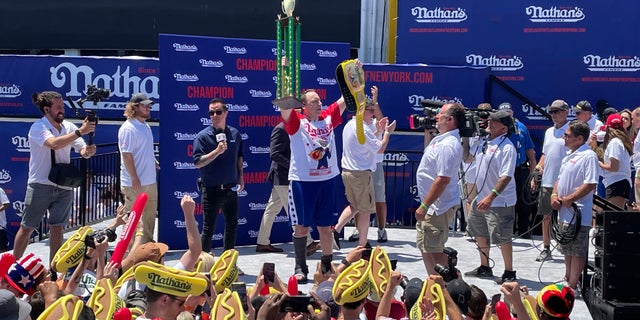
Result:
441,158
578,168
40,155
356,156
615,149
498,160
3,217
554,150
475,148
594,124
135,137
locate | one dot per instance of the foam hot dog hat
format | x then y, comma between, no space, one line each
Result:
169,280
353,284
68,307
104,301
433,291
380,266
71,252
225,271
228,307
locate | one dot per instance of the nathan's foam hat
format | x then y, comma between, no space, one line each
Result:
353,284
128,275
228,307
104,301
68,307
225,271
71,252
380,267
433,291
169,280
556,300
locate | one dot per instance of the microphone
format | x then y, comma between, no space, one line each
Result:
220,135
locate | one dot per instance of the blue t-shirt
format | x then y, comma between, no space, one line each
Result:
522,141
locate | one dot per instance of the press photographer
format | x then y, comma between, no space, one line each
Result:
51,176
437,182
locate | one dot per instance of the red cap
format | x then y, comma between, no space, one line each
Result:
615,121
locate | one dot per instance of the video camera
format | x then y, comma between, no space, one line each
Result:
449,272
475,123
100,235
93,94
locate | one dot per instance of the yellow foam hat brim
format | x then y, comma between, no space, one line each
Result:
68,307
353,284
225,271
71,252
104,301
435,294
228,307
169,280
380,270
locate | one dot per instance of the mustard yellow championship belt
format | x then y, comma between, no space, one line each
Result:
350,77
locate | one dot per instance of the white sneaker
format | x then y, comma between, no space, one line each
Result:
355,236
382,235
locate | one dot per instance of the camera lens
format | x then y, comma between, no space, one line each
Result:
404,282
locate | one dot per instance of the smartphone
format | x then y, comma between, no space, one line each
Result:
268,271
325,264
296,304
366,254
496,297
394,264
241,289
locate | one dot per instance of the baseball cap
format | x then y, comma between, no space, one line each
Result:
141,98
615,121
12,308
607,112
558,105
412,292
460,292
323,292
503,117
583,105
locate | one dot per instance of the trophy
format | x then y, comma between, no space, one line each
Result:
288,71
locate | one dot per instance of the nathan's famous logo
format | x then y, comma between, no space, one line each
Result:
275,51
243,193
308,66
5,177
395,159
205,121
327,53
242,221
256,150
186,77
326,81
554,14
186,106
244,164
497,63
211,63
243,135
121,82
185,47
217,236
612,63
9,91
260,93
172,283
75,256
438,15
234,50
18,206
415,99
180,194
184,165
236,79
252,233
237,107
21,143
184,136
257,206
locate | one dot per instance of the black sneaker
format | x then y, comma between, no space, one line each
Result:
480,272
336,239
507,276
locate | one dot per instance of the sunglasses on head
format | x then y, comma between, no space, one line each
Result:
216,112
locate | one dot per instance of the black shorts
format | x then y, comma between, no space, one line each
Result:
621,188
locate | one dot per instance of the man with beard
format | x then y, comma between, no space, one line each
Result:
138,162
50,133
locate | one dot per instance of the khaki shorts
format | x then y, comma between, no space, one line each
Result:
495,224
578,247
358,185
433,232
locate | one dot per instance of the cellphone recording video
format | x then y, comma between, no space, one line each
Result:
268,271
241,289
296,304
366,254
496,297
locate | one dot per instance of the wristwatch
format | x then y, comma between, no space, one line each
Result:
78,133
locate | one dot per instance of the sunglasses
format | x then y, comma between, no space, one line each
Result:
555,111
216,112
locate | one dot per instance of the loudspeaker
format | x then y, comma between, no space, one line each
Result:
601,309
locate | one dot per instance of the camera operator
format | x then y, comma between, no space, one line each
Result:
471,146
437,181
50,134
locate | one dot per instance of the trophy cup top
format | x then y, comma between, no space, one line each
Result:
288,6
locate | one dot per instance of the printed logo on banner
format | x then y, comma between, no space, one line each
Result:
326,81
259,121
280,218
554,14
237,107
255,177
275,51
21,143
496,62
5,176
612,63
217,237
184,165
244,136
236,79
308,66
185,77
257,150
257,206
439,15
327,53
244,164
275,79
395,159
260,93
186,106
211,63
415,99
180,194
9,91
205,121
242,220
414,193
184,136
18,206
252,233
185,47
531,113
243,193
234,50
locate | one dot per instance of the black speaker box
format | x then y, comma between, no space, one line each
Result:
601,309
